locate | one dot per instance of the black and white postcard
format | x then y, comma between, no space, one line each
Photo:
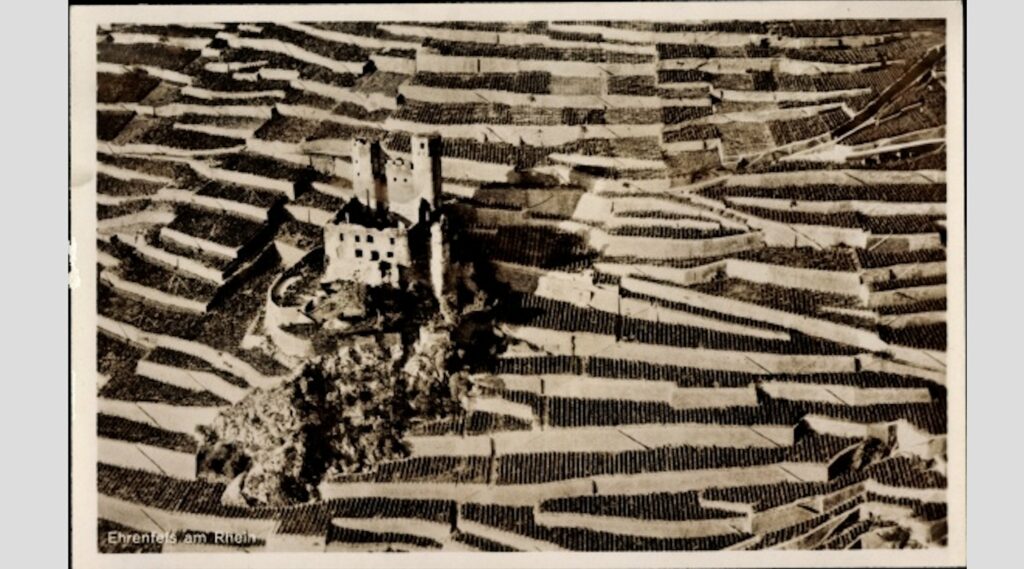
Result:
550,284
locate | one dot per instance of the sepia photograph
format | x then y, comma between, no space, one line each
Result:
666,278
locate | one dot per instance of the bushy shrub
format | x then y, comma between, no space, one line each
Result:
342,414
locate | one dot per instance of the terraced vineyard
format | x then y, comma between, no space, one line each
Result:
716,253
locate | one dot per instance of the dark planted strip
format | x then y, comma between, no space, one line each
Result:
140,389
174,358
535,468
662,506
519,520
125,430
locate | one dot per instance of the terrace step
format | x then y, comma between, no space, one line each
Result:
193,379
294,51
528,494
639,225
175,418
813,325
315,207
339,540
132,388
912,319
584,387
556,342
522,522
897,271
906,295
193,262
145,457
232,127
125,173
618,302
822,532
195,42
635,526
187,107
226,236
212,95
281,186
462,540
431,530
113,183
164,287
622,438
157,136
159,72
868,208
256,205
848,395
512,541
848,538
139,221
218,359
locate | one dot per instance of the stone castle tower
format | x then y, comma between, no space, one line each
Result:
410,188
426,168
414,185
366,183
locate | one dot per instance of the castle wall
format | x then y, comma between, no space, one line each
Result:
439,260
401,192
367,255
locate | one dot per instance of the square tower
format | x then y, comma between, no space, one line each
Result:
426,167
402,197
366,158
